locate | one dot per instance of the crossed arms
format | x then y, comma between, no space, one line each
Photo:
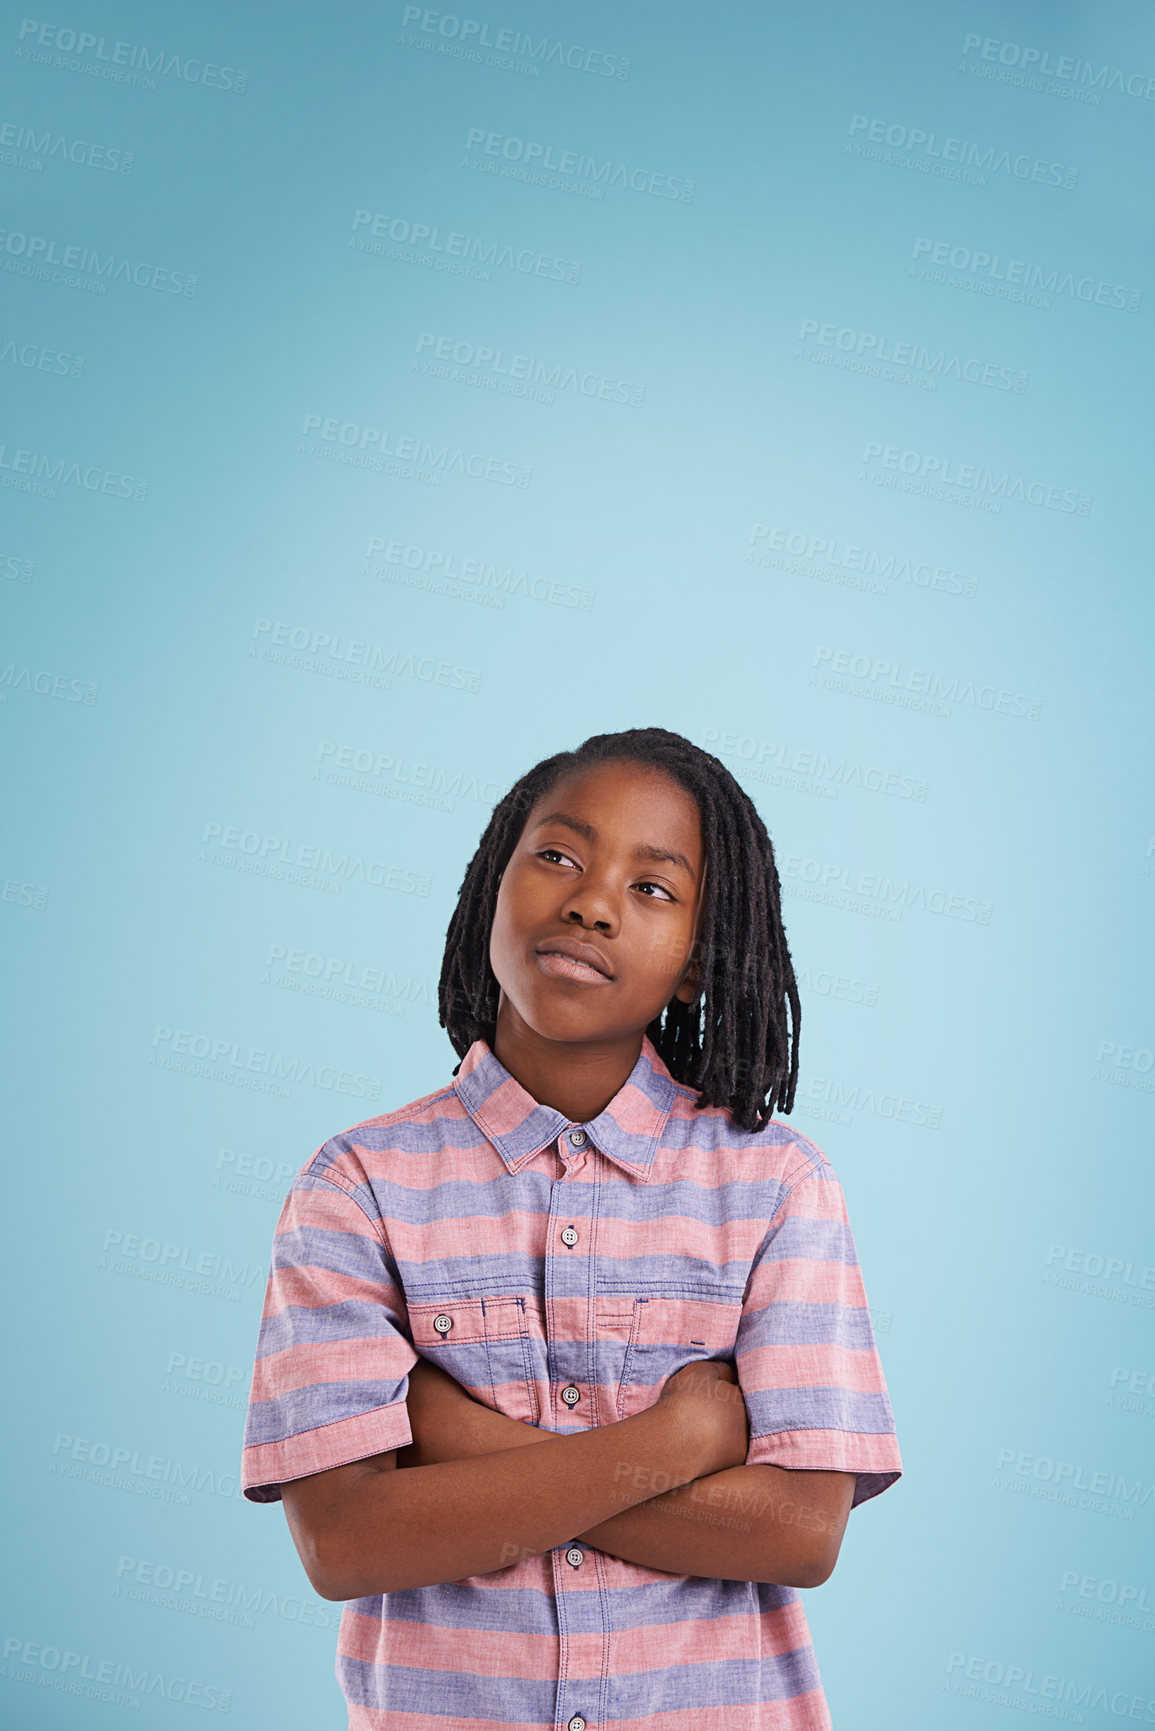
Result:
665,1489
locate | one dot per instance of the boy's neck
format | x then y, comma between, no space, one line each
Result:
578,1079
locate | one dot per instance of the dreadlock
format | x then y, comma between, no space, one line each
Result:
738,1042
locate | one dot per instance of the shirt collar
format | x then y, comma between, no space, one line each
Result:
628,1132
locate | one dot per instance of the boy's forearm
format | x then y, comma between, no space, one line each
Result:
367,1529
748,1523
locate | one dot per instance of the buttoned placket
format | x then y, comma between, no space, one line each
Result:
570,1274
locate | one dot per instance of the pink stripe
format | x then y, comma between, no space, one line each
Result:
336,1361
332,1445
507,1108
807,1712
836,1451
807,1282
316,1289
489,1652
328,1208
769,1367
392,1719
426,1647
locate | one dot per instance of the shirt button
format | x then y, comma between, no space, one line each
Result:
569,1236
577,1723
570,1394
579,1139
443,1324
575,1558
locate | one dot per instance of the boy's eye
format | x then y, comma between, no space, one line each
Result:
660,893
554,854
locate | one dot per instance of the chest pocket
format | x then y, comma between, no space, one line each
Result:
666,1334
484,1344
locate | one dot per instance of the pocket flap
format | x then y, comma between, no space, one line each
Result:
465,1316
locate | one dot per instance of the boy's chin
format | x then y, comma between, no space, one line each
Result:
561,1026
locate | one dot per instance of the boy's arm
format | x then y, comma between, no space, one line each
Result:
744,1523
365,1529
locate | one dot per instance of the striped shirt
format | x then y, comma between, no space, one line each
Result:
561,1273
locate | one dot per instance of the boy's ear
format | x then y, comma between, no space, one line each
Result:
690,985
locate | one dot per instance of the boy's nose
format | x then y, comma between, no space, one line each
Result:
591,912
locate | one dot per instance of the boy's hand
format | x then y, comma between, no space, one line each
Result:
705,1395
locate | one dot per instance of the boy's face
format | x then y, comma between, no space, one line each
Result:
598,907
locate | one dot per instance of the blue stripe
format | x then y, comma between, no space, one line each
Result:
787,1322
812,1241
530,1611
351,1321
317,1405
721,1683
841,1409
529,1192
358,1254
452,1694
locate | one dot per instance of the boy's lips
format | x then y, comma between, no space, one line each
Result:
567,959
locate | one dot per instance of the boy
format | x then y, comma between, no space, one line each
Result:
532,1293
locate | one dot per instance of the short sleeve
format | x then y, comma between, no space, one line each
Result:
805,1353
333,1357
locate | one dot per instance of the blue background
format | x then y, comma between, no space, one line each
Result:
829,448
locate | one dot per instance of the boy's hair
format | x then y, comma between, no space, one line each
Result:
737,1043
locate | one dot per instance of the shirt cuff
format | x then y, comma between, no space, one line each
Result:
875,1459
267,1466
